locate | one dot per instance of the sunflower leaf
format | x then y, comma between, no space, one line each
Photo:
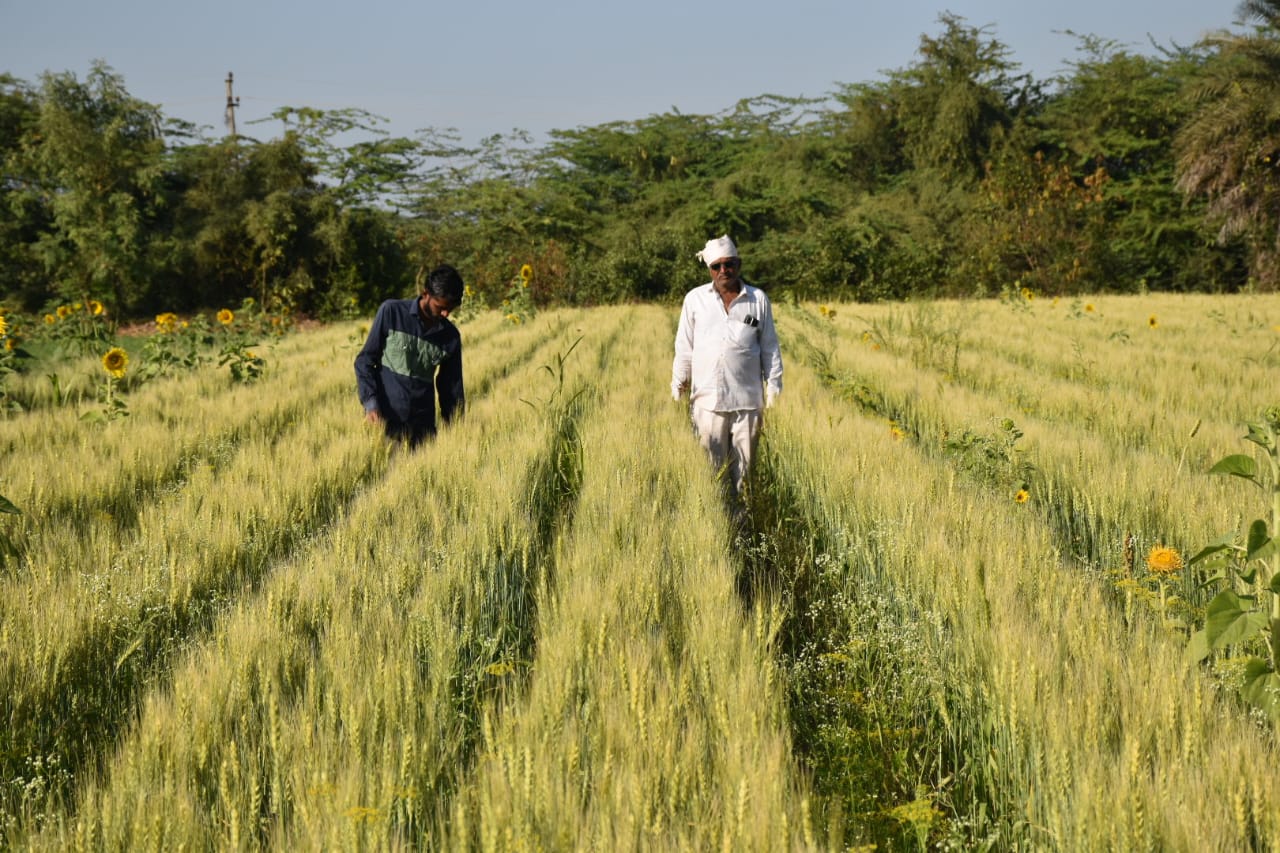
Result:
1231,618
6,505
1262,687
1237,465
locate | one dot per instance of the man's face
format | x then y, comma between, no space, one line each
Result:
724,273
435,308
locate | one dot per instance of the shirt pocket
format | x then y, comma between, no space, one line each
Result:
742,336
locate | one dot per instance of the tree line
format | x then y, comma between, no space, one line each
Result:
957,175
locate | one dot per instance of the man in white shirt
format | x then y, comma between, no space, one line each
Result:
727,358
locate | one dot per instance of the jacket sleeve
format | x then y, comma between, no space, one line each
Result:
369,361
449,386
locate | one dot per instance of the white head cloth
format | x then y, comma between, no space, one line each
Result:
721,247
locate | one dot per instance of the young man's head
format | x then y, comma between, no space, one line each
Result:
442,292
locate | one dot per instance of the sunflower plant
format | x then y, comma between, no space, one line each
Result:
1246,612
115,363
82,327
176,345
11,356
518,305
245,365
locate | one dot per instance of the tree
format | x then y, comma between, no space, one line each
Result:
952,103
1229,151
23,215
95,162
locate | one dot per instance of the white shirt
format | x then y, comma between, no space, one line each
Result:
726,356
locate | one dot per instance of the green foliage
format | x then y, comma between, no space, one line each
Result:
1229,151
238,335
518,305
175,347
956,175
993,457
1246,612
93,162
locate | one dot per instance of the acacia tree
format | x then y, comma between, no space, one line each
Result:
1229,151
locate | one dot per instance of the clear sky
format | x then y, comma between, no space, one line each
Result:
489,66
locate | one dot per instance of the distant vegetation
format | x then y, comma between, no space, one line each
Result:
958,175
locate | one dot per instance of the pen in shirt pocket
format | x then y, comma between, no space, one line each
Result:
751,321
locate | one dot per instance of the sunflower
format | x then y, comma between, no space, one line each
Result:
64,311
1164,561
166,320
1088,308
10,344
1151,321
526,273
1022,496
4,326
226,317
49,319
115,361
96,308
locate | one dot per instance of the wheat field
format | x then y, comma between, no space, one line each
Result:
236,619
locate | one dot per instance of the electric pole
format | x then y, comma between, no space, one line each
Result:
232,103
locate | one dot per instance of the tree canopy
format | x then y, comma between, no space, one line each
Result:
956,175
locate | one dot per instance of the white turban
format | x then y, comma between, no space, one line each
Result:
721,247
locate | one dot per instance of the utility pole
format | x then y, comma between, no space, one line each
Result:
232,103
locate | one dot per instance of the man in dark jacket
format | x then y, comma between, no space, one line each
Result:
414,353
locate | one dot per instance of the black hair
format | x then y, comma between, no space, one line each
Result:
443,282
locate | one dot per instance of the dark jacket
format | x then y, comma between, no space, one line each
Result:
399,364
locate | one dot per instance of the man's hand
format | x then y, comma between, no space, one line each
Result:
373,416
769,397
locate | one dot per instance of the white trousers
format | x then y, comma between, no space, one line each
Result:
730,441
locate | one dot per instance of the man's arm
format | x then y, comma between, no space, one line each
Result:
369,363
449,386
682,364
770,355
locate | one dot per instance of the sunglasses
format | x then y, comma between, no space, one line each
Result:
729,265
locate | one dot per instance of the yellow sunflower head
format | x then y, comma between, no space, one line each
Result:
4,326
1164,560
1151,321
1022,496
226,317
64,311
526,273
115,361
49,319
96,308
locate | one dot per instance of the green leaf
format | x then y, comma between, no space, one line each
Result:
1275,583
1228,621
6,505
1262,687
1237,465
1198,648
1259,435
1259,545
1223,544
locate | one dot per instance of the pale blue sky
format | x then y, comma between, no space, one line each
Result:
484,66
